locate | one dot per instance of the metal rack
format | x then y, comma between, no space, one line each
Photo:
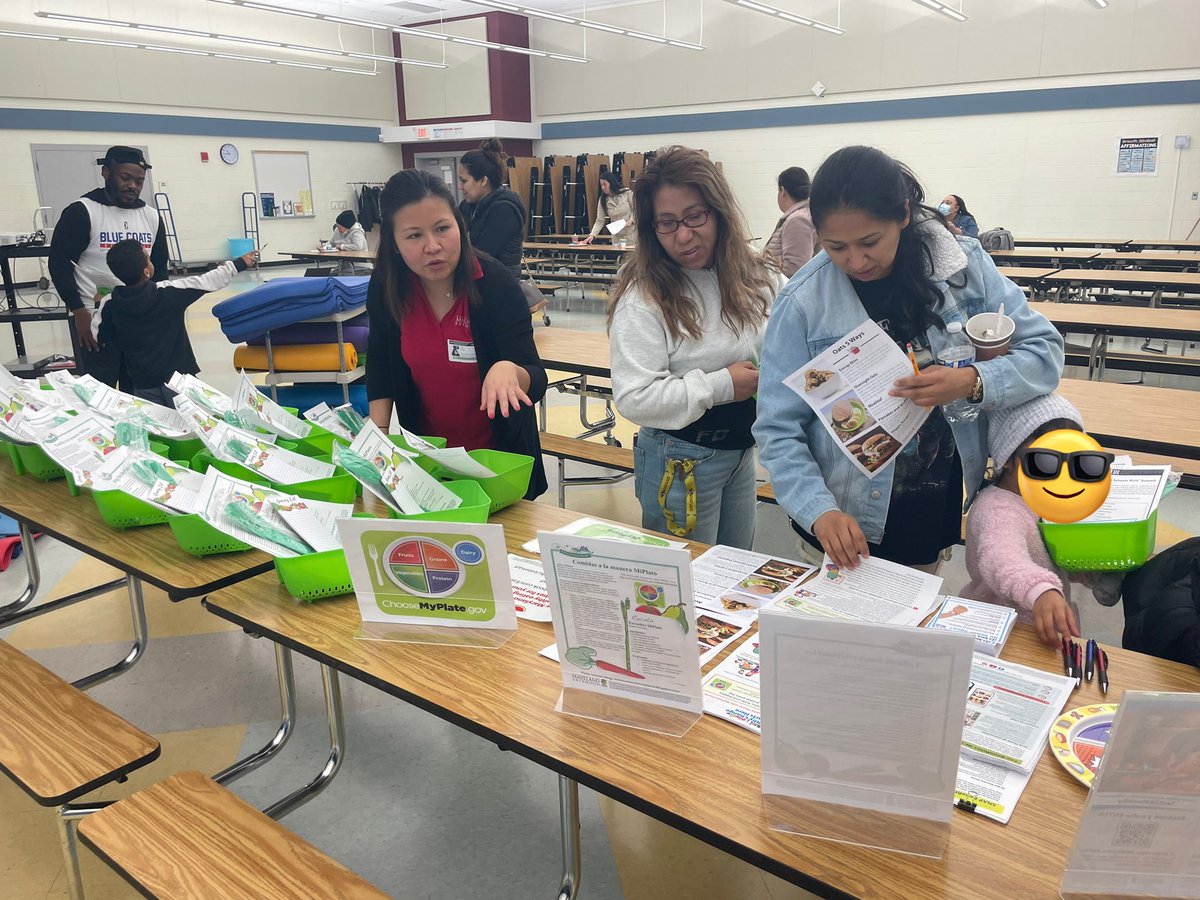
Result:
345,377
162,202
250,217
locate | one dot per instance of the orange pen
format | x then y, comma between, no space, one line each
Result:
912,358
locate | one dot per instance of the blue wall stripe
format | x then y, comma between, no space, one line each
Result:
152,123
986,104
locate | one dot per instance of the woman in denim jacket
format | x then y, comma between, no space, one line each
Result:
890,258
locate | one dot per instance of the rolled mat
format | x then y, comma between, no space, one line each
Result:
354,331
286,301
306,396
296,358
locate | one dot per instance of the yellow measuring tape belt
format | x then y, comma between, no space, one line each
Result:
689,480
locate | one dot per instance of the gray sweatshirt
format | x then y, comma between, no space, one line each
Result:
354,239
668,383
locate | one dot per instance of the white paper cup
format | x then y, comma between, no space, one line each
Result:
994,344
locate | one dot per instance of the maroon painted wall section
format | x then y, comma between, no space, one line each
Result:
512,147
508,73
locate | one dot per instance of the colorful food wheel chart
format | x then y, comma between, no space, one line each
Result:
423,566
1078,738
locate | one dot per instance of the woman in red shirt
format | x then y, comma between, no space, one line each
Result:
451,346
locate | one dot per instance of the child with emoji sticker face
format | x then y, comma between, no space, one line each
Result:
1044,466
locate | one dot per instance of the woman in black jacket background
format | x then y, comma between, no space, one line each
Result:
494,215
451,343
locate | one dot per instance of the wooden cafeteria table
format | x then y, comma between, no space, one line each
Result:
1032,277
320,255
1104,320
707,783
1161,260
1044,256
1070,242
1157,283
581,249
1166,244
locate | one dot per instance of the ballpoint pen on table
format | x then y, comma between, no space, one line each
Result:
1078,648
1102,669
1066,655
1090,660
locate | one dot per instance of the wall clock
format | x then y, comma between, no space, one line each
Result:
229,154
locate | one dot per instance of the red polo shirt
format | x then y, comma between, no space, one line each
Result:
441,356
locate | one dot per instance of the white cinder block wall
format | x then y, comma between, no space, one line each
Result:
1043,173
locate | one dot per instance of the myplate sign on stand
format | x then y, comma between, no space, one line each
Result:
420,582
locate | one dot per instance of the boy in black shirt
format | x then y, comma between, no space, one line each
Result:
146,319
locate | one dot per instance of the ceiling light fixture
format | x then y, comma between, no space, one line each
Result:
159,48
945,9
238,39
1100,4
774,11
398,29
585,23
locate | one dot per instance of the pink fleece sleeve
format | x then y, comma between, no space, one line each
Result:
1001,532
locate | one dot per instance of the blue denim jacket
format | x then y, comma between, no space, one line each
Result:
817,307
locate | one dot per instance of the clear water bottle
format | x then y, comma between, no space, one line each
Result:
958,353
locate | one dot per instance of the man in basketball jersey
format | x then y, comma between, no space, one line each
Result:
85,232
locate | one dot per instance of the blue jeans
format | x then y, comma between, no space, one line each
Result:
725,500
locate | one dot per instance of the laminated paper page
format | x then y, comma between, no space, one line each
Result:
429,573
594,528
207,396
732,691
313,521
248,399
874,591
452,459
219,490
1010,709
529,588
1137,836
609,639
847,387
1133,494
737,583
878,723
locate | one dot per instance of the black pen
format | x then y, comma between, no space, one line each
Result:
1090,655
1066,655
1102,669
1077,650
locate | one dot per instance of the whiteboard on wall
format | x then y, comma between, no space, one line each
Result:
284,175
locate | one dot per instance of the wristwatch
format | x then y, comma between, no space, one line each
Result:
976,395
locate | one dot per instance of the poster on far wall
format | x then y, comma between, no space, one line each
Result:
1137,156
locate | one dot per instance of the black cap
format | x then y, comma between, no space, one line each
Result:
346,219
119,155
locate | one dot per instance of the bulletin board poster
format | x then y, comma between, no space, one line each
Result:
1137,156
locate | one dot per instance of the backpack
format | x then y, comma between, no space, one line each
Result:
996,239
1162,605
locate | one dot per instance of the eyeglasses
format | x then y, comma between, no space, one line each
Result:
1082,465
670,226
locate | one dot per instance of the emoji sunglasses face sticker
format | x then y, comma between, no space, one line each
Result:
1065,476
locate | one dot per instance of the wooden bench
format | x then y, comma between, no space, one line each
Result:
57,744
620,459
188,837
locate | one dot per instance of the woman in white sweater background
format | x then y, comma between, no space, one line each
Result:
686,322
616,205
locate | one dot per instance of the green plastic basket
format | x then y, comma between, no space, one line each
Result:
10,452
199,538
182,449
315,576
511,480
1101,546
475,505
319,442
30,459
120,510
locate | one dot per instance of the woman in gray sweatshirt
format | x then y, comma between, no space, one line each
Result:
687,320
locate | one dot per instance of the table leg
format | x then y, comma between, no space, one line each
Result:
33,576
68,817
568,813
137,608
337,743
287,704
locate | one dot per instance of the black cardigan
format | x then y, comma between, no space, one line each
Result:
502,330
496,225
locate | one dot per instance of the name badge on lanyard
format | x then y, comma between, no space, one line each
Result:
460,351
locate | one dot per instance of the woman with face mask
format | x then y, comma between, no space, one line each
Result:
958,219
890,258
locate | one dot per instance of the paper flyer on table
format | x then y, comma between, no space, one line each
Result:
624,620
322,415
715,632
862,714
408,487
736,583
731,690
81,444
1133,494
529,588
1137,835
148,477
594,528
847,387
452,459
248,399
313,521
1010,709
219,491
116,405
447,573
205,395
989,623
206,424
273,463
876,590
988,790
